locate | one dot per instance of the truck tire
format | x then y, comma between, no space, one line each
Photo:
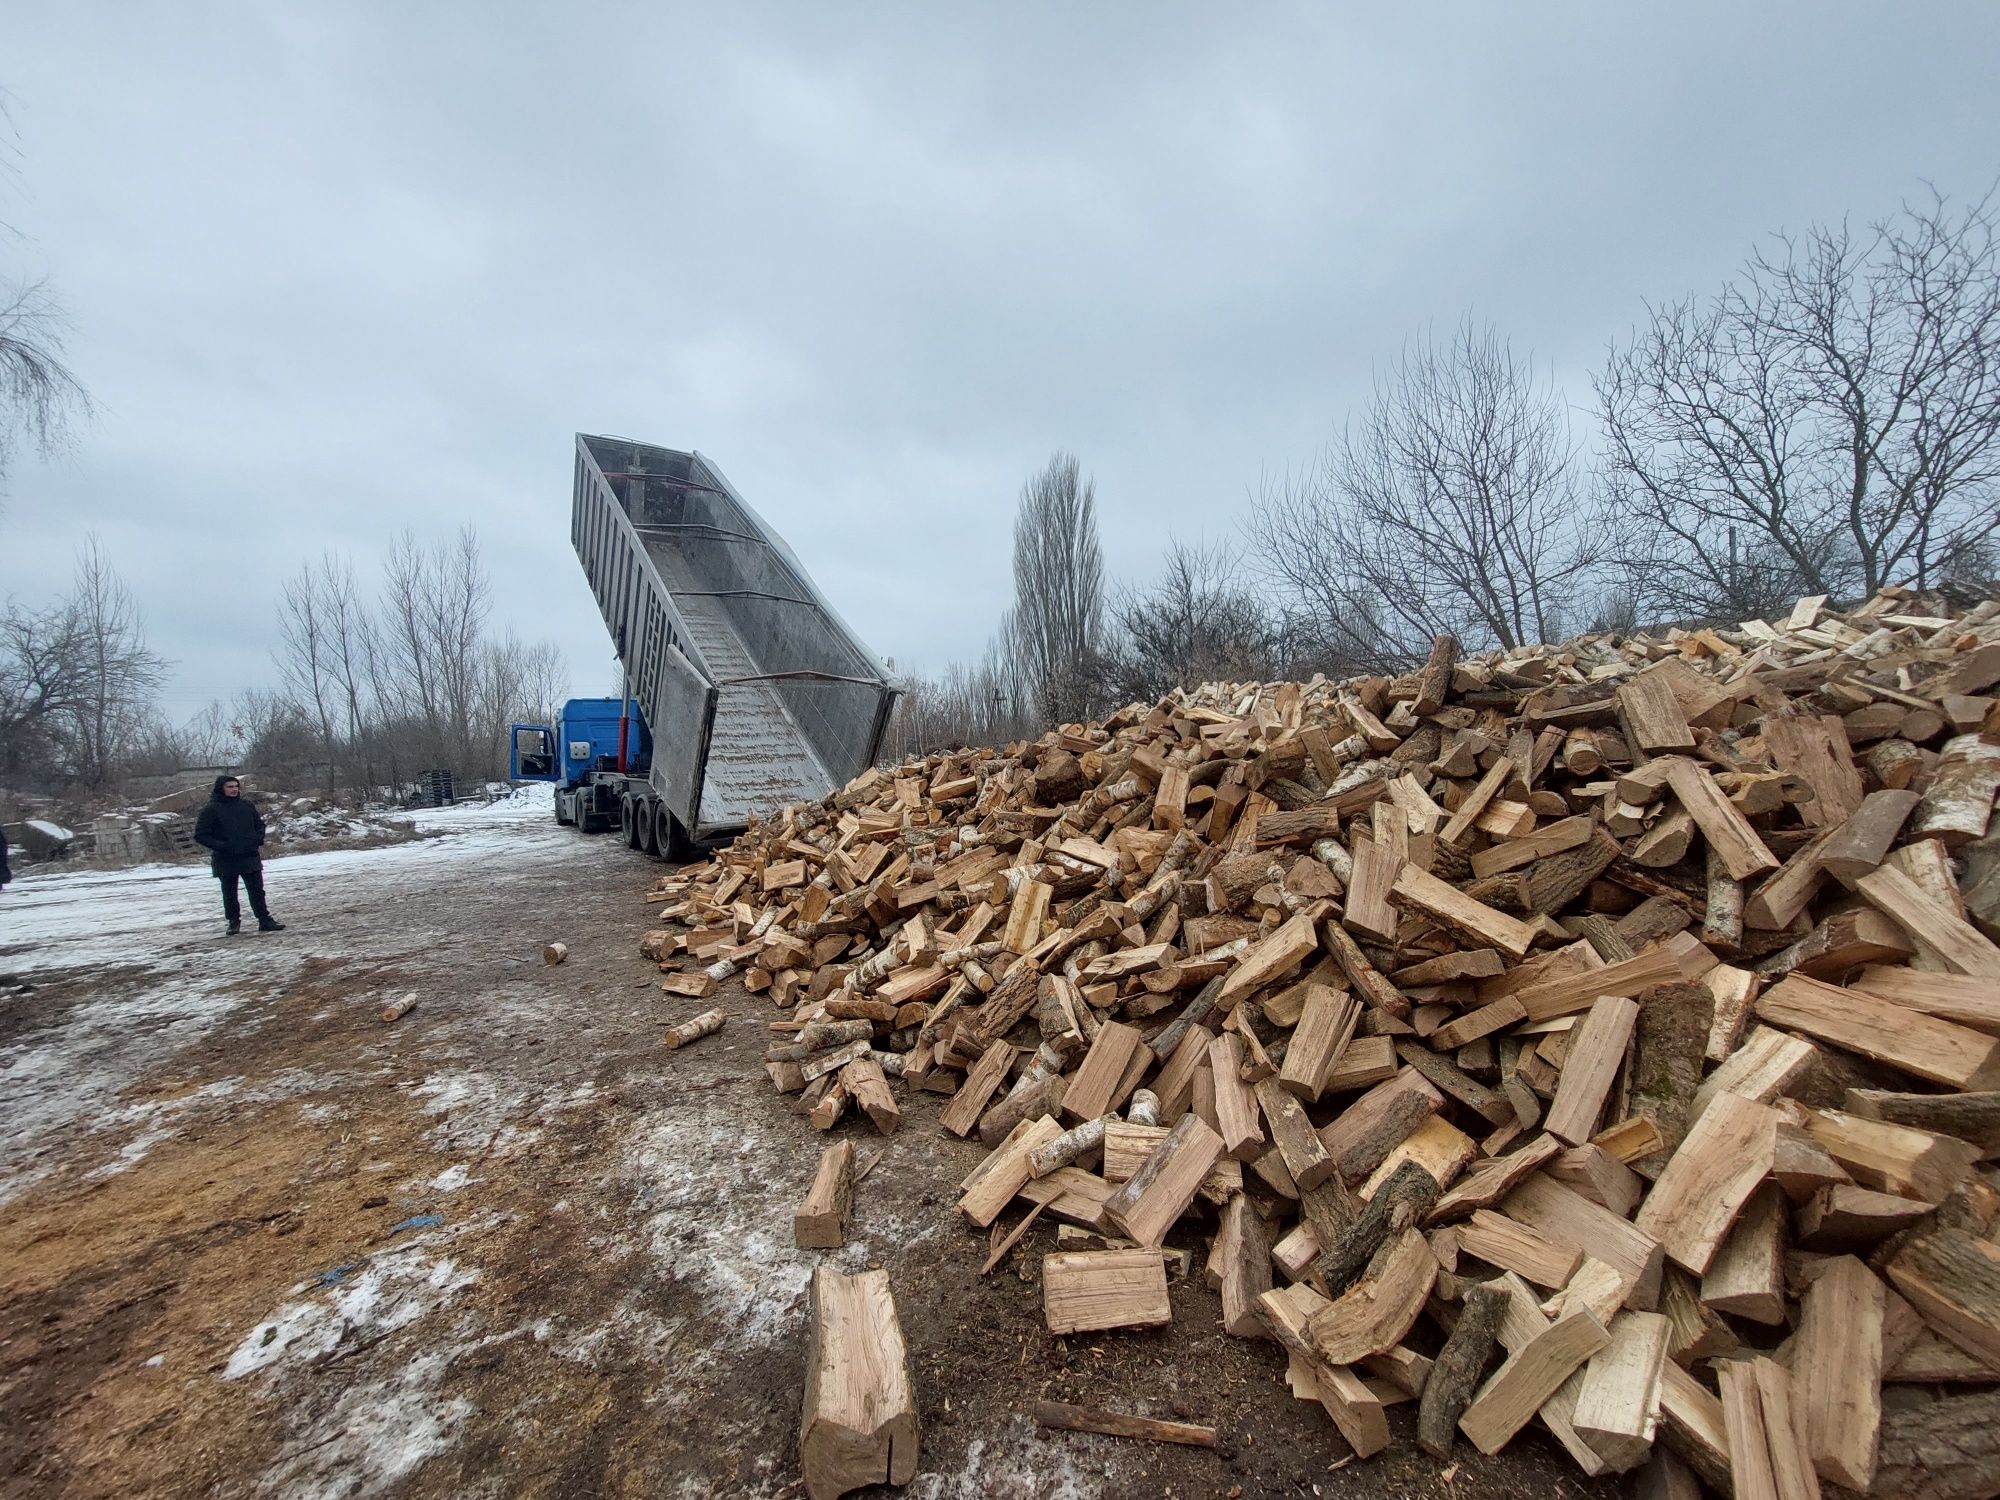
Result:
647,814
675,845
628,820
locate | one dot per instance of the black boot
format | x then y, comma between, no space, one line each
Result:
235,926
270,924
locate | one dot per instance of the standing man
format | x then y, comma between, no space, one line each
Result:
233,833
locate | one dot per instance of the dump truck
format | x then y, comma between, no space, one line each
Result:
743,690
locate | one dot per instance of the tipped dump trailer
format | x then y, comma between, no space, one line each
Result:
745,691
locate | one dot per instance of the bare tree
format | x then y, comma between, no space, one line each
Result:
1454,503
1194,623
348,632
1058,615
42,674
544,684
1828,422
39,396
120,675
305,656
425,663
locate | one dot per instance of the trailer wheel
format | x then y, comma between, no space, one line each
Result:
628,820
643,814
674,844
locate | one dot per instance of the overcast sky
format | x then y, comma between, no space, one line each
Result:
336,269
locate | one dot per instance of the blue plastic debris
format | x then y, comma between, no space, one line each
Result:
417,1221
337,1274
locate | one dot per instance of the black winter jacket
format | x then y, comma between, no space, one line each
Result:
231,829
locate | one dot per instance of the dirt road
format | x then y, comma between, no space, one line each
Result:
258,1242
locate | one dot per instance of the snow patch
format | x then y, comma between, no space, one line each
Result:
375,1434
1015,1464
388,1293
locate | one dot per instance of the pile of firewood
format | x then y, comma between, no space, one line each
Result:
1616,1021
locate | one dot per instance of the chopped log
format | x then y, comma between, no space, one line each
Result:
1751,1475
1958,804
1068,1148
1953,1279
1693,1426
1092,1290
1893,1158
1947,1450
1152,1200
1726,1153
986,1075
1245,1273
1403,1200
1269,961
554,953
401,1006
1374,1313
869,1088
1957,941
1849,1218
1417,890
1885,1031
1766,1065
1355,1410
1368,911
1728,832
1235,1105
993,1183
1434,681
1837,1371
1459,1368
706,1024
1966,1000
1618,1406
1363,1134
1501,1242
1974,1118
1097,1087
1563,1215
1325,1028
821,1221
1596,1050
1298,1144
1861,843
1531,1375
860,1420
1068,1418
1747,1277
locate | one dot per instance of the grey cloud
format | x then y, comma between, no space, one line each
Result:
336,270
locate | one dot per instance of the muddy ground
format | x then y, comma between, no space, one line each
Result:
257,1241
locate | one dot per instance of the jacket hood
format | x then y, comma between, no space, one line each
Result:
215,792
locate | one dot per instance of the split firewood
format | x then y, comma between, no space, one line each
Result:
1459,1367
860,1422
1550,962
821,1221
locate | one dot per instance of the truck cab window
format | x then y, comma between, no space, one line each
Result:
534,753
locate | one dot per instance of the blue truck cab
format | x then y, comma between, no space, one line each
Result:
580,753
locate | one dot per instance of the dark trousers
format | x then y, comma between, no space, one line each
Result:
253,882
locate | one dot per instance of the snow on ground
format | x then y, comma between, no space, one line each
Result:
376,1429
159,927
